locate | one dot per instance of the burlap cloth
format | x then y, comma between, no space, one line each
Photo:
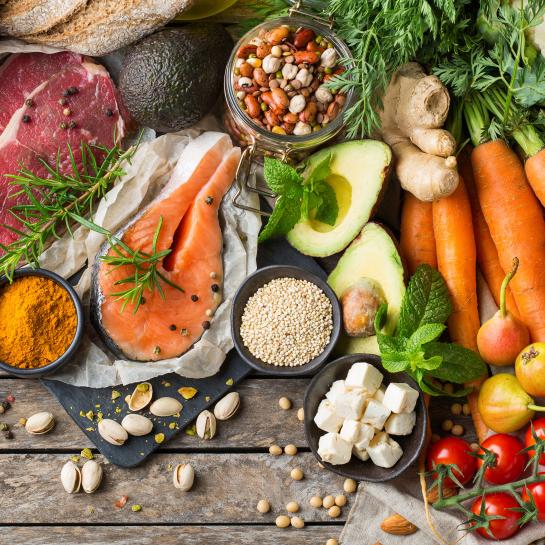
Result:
376,501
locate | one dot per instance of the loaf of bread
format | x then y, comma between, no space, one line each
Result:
93,27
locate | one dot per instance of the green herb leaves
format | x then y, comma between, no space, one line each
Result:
305,196
414,347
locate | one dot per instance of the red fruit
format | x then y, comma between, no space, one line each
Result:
537,491
510,461
452,450
539,429
503,337
502,505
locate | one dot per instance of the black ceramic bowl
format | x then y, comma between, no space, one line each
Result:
54,365
249,287
357,469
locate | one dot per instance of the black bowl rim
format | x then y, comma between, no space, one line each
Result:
78,336
406,461
299,370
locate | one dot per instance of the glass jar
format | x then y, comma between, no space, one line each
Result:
257,140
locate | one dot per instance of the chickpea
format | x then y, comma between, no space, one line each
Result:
263,506
301,414
328,501
290,450
282,521
292,507
334,511
297,474
332,541
275,450
456,409
447,425
340,500
457,429
297,522
350,486
284,403
466,409
316,502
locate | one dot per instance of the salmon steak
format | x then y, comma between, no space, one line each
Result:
183,218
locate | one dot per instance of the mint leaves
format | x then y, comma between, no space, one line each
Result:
304,196
414,347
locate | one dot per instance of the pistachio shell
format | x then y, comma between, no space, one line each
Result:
91,476
183,477
71,477
137,425
141,397
206,425
165,406
112,432
227,406
40,423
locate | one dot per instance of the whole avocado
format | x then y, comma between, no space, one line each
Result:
173,78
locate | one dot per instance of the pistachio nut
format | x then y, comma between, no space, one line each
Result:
137,425
40,423
91,476
71,477
206,425
227,406
165,406
112,432
141,397
183,477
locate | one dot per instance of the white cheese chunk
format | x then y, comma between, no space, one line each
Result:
379,394
375,414
332,448
338,389
400,424
364,375
362,454
400,397
351,430
367,432
350,405
326,418
384,451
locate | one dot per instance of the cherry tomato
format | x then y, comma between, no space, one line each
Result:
510,461
503,505
452,450
539,429
537,491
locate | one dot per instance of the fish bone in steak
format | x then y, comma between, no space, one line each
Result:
74,102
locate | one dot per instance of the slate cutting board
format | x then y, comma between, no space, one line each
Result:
78,400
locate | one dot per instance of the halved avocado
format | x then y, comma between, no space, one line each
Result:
358,173
373,255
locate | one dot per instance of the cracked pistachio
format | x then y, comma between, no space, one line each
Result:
40,423
165,406
206,425
227,406
137,425
141,396
71,477
112,432
91,476
183,477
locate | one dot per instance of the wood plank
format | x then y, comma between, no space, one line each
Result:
170,535
226,491
259,423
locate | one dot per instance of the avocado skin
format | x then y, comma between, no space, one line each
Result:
173,78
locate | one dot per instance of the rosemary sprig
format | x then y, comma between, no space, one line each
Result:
61,201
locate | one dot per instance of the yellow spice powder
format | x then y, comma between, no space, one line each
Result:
37,322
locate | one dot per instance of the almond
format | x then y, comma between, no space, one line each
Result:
398,526
448,492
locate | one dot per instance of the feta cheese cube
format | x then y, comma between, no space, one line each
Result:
375,414
400,397
350,405
332,448
350,431
360,453
367,432
384,451
379,394
326,418
364,375
338,388
400,424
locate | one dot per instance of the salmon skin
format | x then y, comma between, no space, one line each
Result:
188,209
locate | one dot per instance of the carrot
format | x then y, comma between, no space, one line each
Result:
457,262
487,255
417,243
535,172
517,227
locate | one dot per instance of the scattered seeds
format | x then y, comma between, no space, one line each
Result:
297,522
447,425
457,429
191,430
284,403
332,541
328,501
292,507
22,421
290,450
282,521
229,382
86,453
121,502
187,392
263,506
301,414
340,500
135,508
334,511
159,438
456,409
297,474
350,486
115,395
316,501
275,450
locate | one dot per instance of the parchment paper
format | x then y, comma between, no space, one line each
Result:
147,173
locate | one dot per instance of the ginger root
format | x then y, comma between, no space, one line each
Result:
415,108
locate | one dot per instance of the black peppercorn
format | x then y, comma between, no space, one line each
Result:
26,119
143,301
172,327
29,102
209,200
8,435
6,405
109,112
206,325
194,298
73,124
215,288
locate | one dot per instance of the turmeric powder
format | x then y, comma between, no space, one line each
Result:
37,322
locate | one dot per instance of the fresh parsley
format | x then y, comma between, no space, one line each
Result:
415,348
301,194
